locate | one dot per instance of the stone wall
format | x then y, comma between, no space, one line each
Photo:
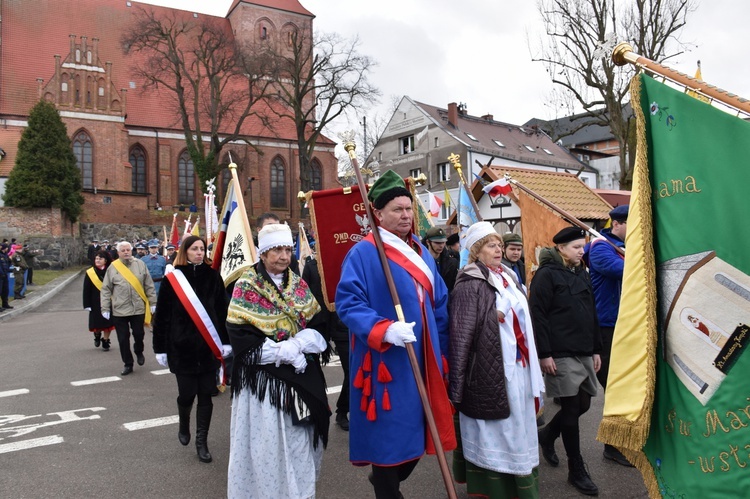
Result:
57,252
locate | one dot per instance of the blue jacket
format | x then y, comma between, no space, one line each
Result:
606,266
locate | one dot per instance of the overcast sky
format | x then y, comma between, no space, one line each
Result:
476,51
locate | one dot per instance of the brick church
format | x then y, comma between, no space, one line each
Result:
128,142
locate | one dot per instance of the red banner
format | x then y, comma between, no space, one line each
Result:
339,220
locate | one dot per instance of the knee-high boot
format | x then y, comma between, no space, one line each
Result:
183,434
203,422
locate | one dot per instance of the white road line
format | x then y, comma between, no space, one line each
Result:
30,444
151,423
333,389
95,381
160,372
11,393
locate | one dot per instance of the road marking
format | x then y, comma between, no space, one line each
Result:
95,381
10,393
30,444
333,389
151,423
160,372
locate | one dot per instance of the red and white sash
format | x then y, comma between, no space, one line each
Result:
200,317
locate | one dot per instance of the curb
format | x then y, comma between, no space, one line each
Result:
39,296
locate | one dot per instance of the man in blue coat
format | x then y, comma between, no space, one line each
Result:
155,263
387,422
606,265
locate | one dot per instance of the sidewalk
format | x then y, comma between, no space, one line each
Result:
37,295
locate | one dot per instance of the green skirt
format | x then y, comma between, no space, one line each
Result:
486,483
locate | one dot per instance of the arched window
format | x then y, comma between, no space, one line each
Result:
84,152
185,179
316,180
138,162
278,183
224,177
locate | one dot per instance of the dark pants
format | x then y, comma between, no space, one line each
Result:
342,349
386,480
30,275
607,335
123,325
18,285
190,385
4,289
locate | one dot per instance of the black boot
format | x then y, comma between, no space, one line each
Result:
105,344
203,422
183,434
579,477
547,443
97,339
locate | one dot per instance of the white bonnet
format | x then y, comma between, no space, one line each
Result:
274,236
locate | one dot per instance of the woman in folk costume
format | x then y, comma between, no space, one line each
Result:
386,419
280,412
495,379
190,336
569,343
92,285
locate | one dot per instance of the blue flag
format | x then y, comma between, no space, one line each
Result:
466,217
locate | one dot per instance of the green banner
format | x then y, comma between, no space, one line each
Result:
699,172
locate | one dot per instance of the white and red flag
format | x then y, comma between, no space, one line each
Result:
435,204
499,187
232,251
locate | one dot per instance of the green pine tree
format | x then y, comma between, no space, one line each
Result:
45,174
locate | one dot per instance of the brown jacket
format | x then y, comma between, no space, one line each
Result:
477,375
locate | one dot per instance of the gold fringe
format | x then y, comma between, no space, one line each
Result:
630,436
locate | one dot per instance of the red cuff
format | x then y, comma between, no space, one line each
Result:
377,333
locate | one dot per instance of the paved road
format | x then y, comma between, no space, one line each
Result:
63,439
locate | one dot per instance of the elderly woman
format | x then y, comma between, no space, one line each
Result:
568,342
495,380
190,336
92,285
280,412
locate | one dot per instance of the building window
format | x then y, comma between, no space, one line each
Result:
444,172
380,156
278,183
185,179
529,148
472,137
437,142
406,144
138,162
263,33
224,177
416,172
445,209
316,181
547,151
498,143
84,153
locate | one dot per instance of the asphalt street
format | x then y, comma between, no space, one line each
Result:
72,427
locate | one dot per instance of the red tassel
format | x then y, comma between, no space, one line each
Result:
371,415
367,363
367,390
386,400
359,379
363,403
384,376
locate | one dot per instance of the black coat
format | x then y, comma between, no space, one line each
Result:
91,300
448,267
334,329
563,310
174,332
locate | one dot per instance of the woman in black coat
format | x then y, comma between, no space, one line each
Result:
92,283
568,342
180,345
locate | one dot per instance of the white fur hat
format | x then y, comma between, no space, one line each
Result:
274,236
477,232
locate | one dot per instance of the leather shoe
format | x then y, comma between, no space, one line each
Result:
547,443
342,421
615,455
141,359
7,307
126,370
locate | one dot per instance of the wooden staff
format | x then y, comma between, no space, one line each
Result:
349,146
623,54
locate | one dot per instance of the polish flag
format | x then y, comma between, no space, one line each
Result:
435,204
499,187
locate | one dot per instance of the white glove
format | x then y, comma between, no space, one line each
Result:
289,350
311,341
153,309
169,269
226,350
106,315
87,309
299,363
269,352
161,358
400,333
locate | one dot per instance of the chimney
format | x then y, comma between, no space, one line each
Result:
488,117
453,114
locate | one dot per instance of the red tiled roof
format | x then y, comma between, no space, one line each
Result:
34,32
287,5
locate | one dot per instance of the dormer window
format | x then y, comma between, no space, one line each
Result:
472,137
529,148
547,151
498,143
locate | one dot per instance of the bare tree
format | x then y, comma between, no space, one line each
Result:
576,53
213,85
318,79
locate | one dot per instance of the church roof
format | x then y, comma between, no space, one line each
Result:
287,5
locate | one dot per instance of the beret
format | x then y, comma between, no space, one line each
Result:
620,213
569,234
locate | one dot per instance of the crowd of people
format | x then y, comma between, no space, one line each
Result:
16,260
488,343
